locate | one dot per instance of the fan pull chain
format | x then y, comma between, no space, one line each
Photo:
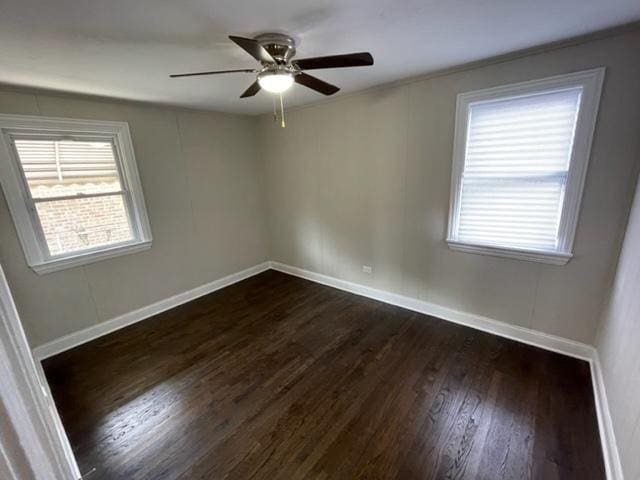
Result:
282,124
275,111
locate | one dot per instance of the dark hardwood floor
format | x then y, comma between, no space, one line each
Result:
279,378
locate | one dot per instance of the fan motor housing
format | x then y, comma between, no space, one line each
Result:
281,47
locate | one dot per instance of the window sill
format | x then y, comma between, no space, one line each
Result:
552,258
86,258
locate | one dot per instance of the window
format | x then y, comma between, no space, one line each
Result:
520,159
73,190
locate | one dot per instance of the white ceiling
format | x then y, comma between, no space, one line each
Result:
127,48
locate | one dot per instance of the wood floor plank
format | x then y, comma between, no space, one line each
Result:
279,378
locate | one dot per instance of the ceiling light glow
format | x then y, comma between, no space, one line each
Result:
275,82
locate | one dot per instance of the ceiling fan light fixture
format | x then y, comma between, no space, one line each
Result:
278,70
275,82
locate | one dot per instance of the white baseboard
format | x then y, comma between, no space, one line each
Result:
610,453
513,332
74,339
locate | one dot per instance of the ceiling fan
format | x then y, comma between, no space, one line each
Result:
278,70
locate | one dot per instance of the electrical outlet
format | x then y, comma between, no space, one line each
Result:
367,268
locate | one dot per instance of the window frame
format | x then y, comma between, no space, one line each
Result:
591,82
22,206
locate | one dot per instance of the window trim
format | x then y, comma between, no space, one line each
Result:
18,196
591,82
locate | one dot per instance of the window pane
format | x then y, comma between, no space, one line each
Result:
511,213
81,223
517,159
55,168
530,135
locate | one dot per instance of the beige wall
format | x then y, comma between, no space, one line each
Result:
362,179
619,348
365,179
204,194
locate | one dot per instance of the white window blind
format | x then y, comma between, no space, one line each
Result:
516,166
66,160
520,159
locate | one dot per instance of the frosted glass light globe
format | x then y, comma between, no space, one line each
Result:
275,82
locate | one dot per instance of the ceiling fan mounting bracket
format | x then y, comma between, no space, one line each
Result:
281,47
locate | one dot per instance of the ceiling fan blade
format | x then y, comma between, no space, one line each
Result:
361,59
252,90
315,84
253,48
243,70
